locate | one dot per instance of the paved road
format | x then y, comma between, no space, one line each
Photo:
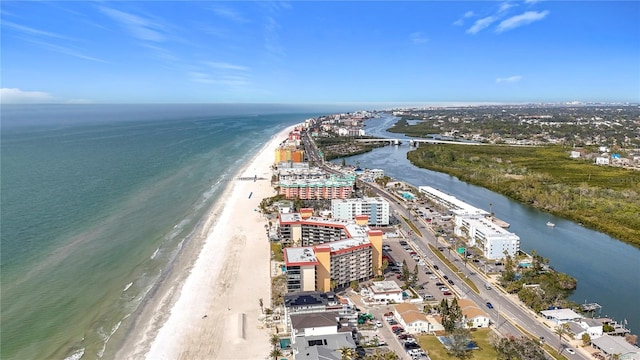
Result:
505,311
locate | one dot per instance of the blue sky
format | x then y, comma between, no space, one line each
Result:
321,52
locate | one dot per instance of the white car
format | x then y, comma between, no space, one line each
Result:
378,324
571,351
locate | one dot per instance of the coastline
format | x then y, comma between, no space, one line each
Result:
209,306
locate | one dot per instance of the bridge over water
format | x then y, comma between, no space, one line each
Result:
416,142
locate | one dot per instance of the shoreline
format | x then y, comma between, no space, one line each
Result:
209,306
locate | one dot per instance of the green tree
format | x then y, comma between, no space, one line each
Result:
451,314
275,354
355,285
414,278
561,330
512,348
586,339
405,271
346,353
274,340
459,339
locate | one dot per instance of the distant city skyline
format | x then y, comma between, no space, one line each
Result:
307,52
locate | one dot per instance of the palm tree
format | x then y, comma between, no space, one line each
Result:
346,353
274,340
561,330
275,354
261,305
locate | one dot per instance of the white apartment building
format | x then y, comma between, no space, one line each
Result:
376,208
491,239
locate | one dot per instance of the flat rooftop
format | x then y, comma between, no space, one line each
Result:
300,255
561,314
452,201
346,244
290,217
385,287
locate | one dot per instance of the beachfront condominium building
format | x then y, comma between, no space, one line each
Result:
289,154
328,253
333,187
301,173
492,240
375,208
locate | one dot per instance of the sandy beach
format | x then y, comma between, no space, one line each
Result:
215,313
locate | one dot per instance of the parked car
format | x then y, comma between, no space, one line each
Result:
571,351
447,293
489,305
439,284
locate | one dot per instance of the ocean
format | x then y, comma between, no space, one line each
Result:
96,203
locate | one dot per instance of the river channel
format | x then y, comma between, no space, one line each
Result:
607,270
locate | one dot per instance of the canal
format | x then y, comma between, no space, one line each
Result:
607,270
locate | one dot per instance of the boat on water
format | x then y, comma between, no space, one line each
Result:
550,224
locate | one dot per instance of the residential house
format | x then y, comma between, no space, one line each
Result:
413,320
473,315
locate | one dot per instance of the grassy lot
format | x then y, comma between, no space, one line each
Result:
437,351
454,268
276,249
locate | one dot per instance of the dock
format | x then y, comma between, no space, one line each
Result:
503,224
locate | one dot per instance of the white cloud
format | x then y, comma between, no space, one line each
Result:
226,66
506,6
481,24
466,15
17,96
200,77
138,27
418,38
230,14
522,19
225,80
510,79
32,31
65,50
